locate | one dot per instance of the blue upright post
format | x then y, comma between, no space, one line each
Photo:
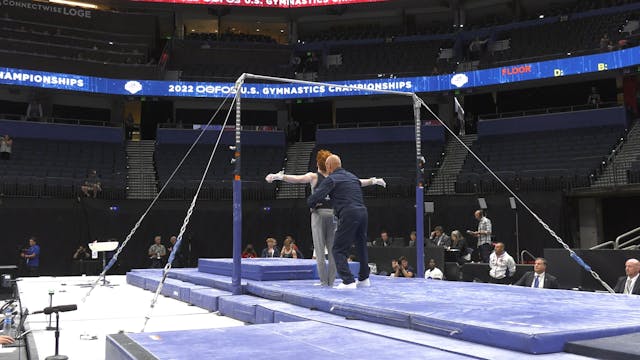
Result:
237,202
419,190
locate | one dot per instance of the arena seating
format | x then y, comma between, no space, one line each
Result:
633,174
257,161
94,48
55,168
540,161
222,60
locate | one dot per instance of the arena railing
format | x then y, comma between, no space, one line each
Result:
60,120
549,110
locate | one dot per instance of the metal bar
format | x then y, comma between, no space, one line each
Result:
237,199
419,189
620,237
600,246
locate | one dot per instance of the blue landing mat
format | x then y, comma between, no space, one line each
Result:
265,269
529,320
307,339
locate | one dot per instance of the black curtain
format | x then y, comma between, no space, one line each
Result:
61,225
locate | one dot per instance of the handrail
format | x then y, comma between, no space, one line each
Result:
620,237
604,244
522,254
628,242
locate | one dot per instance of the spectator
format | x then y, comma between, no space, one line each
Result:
604,42
82,253
32,257
594,97
432,271
351,258
249,252
502,266
34,110
5,147
384,240
271,250
402,268
157,253
91,184
538,278
459,243
629,284
412,239
178,258
483,234
439,238
295,247
287,249
129,125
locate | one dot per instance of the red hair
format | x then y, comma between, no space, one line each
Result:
321,158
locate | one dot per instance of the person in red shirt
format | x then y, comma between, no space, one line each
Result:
249,252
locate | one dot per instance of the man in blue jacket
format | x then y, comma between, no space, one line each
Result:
345,190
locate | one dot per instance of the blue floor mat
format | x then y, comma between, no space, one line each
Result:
267,269
523,319
305,339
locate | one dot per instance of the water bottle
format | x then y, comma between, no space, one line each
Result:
6,328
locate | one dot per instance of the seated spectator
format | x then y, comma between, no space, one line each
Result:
82,253
91,184
459,243
432,271
295,247
287,249
271,250
402,268
157,252
384,240
538,278
502,266
249,252
351,258
5,147
439,239
629,284
412,239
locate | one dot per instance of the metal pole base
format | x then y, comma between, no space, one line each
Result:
57,357
49,328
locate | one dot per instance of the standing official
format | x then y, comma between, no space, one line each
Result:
344,189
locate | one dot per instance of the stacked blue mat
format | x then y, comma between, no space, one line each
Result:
526,320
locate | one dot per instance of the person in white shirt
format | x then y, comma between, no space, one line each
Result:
538,278
629,284
433,272
502,266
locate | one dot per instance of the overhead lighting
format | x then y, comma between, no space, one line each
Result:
75,3
541,16
258,30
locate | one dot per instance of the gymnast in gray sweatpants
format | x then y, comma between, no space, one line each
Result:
323,225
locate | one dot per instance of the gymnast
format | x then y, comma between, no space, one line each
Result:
323,225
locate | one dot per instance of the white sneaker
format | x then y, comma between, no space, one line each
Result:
364,283
343,286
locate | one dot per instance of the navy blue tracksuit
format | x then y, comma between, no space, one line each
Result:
345,191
